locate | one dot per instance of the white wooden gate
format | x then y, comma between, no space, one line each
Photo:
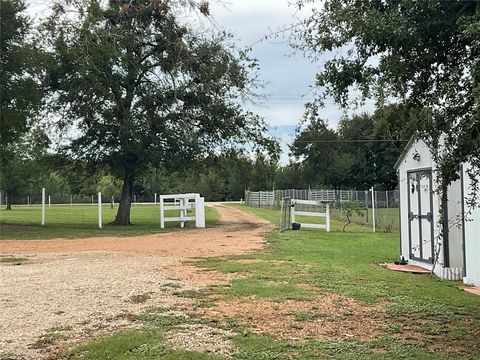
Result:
309,212
191,207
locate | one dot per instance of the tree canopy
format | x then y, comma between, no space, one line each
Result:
19,87
139,87
424,54
20,90
360,153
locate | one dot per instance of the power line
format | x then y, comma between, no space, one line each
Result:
350,141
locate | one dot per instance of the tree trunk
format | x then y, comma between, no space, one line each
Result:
123,213
344,226
8,202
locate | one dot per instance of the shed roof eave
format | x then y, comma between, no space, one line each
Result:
404,152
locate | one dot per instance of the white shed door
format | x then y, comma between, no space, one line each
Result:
420,215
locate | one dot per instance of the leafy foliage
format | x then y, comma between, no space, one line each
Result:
19,88
425,54
19,174
350,208
20,92
361,153
143,89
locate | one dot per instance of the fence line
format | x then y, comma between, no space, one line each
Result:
386,203
383,199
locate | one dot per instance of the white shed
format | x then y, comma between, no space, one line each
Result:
451,256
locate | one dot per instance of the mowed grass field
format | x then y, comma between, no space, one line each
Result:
283,291
72,221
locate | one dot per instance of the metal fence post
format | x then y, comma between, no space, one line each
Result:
366,207
373,209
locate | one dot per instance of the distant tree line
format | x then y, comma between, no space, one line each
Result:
359,154
322,157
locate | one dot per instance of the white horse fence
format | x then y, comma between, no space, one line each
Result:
190,207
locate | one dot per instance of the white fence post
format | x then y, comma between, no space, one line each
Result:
162,220
99,210
155,198
43,206
49,201
327,216
199,211
373,209
182,212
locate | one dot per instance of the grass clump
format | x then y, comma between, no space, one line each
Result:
141,298
50,336
275,291
13,260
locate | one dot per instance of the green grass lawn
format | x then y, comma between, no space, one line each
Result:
422,316
65,221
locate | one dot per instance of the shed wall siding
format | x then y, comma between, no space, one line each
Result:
472,241
455,232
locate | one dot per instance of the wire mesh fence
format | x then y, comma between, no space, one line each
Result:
35,199
385,203
286,213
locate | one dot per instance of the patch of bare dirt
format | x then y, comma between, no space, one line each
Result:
256,261
193,277
431,333
325,317
237,233
201,338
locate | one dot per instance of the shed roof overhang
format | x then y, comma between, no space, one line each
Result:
405,151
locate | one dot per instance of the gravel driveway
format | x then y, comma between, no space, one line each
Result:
76,288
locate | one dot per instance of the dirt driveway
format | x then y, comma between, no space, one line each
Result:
74,290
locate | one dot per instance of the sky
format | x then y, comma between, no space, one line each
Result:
287,76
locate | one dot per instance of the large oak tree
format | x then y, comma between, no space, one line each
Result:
134,85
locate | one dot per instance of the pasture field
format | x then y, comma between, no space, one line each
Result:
309,295
76,221
385,219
